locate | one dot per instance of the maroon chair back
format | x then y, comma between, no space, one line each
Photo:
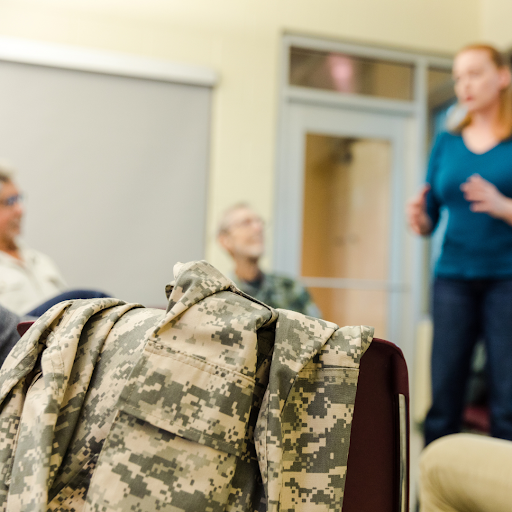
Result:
23,327
378,461
477,418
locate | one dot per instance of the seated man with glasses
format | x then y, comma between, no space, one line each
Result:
30,282
240,233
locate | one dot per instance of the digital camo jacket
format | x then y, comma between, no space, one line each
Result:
218,404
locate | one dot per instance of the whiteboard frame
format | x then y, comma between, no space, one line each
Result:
99,61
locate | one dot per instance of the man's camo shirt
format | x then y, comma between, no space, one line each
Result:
281,292
219,403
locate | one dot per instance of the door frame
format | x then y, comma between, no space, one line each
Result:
412,250
341,122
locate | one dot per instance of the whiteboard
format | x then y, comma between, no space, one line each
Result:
114,172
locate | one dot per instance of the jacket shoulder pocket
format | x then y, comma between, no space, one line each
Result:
189,397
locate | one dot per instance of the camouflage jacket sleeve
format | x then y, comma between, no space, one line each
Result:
44,446
303,431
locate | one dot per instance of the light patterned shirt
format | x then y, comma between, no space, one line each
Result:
26,283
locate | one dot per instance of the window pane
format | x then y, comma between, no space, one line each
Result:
349,74
440,87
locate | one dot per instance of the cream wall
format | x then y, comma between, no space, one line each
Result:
495,23
241,40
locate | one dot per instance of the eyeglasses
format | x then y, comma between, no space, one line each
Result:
248,221
12,200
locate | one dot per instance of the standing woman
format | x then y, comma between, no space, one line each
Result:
470,175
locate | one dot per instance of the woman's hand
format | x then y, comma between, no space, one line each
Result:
486,198
416,211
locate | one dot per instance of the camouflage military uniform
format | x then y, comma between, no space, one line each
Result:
281,292
220,403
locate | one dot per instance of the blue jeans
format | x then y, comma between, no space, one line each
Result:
463,312
69,295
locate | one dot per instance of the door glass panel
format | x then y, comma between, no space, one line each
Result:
340,72
346,219
346,224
